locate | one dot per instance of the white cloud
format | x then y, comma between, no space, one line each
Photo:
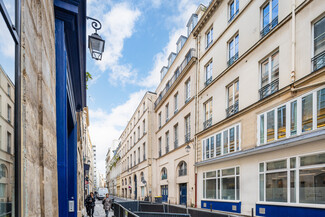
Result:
105,127
185,8
117,25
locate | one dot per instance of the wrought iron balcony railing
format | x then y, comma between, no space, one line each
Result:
233,16
269,27
318,61
233,59
207,123
269,89
208,81
182,172
191,53
176,143
167,149
187,137
233,109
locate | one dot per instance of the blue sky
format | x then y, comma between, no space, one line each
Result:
139,37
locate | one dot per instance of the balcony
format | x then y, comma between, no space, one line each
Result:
233,109
176,110
208,81
187,137
182,172
177,73
233,16
187,100
269,27
233,59
318,61
163,176
269,89
176,143
167,149
207,123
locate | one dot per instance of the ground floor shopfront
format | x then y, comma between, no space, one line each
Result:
285,178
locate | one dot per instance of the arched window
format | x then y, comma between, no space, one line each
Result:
164,173
122,181
130,181
182,169
126,181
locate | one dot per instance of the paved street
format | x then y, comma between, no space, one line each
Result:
99,211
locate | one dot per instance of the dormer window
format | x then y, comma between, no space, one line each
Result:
163,72
191,23
180,42
171,59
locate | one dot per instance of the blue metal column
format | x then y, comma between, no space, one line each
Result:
61,118
72,169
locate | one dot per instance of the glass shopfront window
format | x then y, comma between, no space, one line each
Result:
222,184
279,182
8,42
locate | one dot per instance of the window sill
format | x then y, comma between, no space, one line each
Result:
220,200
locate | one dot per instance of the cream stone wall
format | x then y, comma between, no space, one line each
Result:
39,147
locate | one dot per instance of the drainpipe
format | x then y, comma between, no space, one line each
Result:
196,109
293,42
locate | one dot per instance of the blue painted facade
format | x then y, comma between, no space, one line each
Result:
70,45
221,205
288,211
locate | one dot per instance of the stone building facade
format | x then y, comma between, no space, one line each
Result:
263,150
47,91
257,108
136,151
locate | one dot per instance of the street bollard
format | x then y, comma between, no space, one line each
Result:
252,212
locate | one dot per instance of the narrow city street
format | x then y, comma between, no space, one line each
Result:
99,211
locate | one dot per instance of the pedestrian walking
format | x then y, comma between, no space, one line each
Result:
90,204
107,204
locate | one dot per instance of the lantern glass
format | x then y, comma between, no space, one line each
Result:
96,46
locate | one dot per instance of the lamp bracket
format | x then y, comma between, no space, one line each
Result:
95,23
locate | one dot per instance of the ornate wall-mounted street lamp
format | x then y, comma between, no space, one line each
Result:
95,43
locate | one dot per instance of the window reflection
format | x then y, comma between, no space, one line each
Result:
7,98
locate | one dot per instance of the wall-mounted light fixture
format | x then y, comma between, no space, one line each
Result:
95,43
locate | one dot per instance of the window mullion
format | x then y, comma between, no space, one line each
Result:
265,128
299,116
314,110
228,142
270,69
276,124
288,124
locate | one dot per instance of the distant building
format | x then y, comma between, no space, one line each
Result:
7,97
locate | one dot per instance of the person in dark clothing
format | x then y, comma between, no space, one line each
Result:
90,204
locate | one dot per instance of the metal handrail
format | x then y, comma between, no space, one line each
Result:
207,123
233,59
269,89
233,109
318,61
208,81
187,137
232,17
269,26
182,172
176,143
190,54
